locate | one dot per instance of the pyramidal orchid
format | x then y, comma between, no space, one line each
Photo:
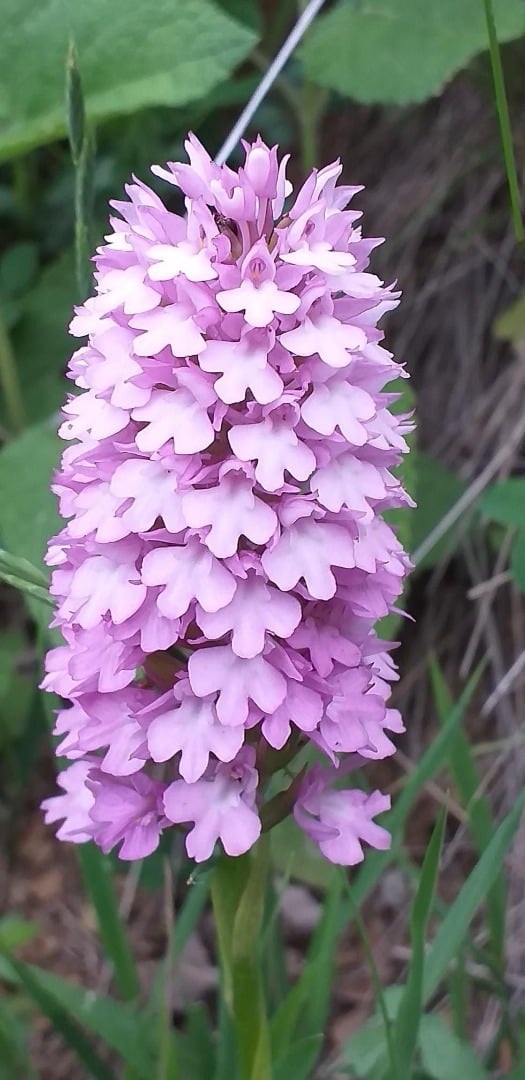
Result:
226,555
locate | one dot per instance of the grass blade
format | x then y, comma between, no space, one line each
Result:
410,1010
457,920
100,888
376,981
481,823
502,109
67,1028
434,758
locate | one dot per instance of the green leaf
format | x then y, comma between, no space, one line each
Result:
29,515
364,1054
401,51
40,340
99,885
22,575
238,892
437,490
510,325
115,1022
294,855
16,693
444,1056
431,762
75,113
37,986
517,560
410,1010
16,931
468,784
457,920
505,502
130,56
18,267
321,956
284,1020
300,1058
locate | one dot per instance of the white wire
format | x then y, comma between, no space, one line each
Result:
268,79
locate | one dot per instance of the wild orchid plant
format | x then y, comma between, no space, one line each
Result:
226,555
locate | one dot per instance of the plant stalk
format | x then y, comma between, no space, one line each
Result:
238,891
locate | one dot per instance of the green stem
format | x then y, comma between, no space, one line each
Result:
313,101
502,109
238,890
11,389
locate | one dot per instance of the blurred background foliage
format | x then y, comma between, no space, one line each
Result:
401,90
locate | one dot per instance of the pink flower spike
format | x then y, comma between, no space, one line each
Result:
225,554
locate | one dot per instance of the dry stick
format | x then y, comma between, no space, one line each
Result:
268,80
487,600
504,685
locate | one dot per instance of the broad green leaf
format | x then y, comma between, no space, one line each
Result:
401,51
28,515
517,560
129,56
437,489
505,502
364,1054
453,929
16,931
510,325
444,1056
18,267
16,693
410,1010
40,339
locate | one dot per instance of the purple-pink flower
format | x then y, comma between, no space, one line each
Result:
226,556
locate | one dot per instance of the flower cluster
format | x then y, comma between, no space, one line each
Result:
226,557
